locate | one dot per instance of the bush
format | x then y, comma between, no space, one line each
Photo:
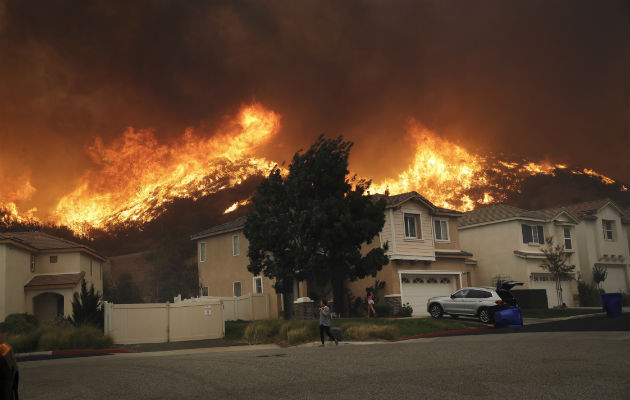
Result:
589,294
384,310
405,310
262,331
363,332
18,323
299,335
60,336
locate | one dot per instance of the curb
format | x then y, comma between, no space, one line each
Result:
444,333
55,354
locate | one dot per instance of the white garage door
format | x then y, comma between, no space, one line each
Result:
552,296
422,287
615,280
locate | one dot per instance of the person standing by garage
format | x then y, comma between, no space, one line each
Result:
324,322
370,302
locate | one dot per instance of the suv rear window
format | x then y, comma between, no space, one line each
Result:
478,294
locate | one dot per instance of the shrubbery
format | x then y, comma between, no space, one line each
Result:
18,323
405,310
364,332
589,294
383,310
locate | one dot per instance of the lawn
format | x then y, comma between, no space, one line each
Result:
301,331
558,312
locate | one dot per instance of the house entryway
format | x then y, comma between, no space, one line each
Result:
418,288
47,306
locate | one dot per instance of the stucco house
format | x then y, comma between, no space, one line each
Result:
602,237
425,257
39,273
507,240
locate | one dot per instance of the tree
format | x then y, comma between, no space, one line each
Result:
556,263
123,291
313,223
86,307
599,275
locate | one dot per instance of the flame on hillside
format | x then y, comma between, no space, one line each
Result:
137,176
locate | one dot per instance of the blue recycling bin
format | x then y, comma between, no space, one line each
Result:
611,304
510,318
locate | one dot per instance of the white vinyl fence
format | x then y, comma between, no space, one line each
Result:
247,308
192,319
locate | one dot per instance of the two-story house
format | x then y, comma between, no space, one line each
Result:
425,257
602,238
507,244
39,273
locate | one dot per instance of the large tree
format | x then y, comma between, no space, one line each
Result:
556,262
313,223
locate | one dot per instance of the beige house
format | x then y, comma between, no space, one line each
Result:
426,258
39,273
507,243
222,264
602,237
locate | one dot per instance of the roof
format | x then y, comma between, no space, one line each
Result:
397,200
54,281
587,209
42,241
229,226
500,212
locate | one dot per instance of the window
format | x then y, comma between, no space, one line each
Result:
53,259
204,291
441,230
533,234
236,289
235,249
202,252
258,284
412,226
567,238
32,263
461,294
91,267
608,228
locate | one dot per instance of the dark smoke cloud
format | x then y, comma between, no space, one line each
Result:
533,79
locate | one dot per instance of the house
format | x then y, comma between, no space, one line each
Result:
222,264
39,273
425,257
602,238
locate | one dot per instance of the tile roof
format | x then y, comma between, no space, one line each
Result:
43,241
51,281
218,229
395,200
589,208
498,212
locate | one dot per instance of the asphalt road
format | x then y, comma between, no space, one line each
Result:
517,366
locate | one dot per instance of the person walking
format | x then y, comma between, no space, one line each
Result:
370,301
324,322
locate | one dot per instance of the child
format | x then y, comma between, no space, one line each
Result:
370,301
324,322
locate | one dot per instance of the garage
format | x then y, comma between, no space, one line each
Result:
416,289
546,282
615,280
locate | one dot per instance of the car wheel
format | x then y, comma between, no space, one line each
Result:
455,316
436,311
485,316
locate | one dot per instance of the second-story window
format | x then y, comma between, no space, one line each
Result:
32,263
202,252
412,226
567,238
53,259
258,284
608,228
533,234
441,230
235,249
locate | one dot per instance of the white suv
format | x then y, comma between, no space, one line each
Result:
474,301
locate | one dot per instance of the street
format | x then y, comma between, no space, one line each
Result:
521,365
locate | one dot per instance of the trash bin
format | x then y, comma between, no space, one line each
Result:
336,332
611,304
510,317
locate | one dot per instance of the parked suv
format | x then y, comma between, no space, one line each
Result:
474,301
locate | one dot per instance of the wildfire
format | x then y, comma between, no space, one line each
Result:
137,175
